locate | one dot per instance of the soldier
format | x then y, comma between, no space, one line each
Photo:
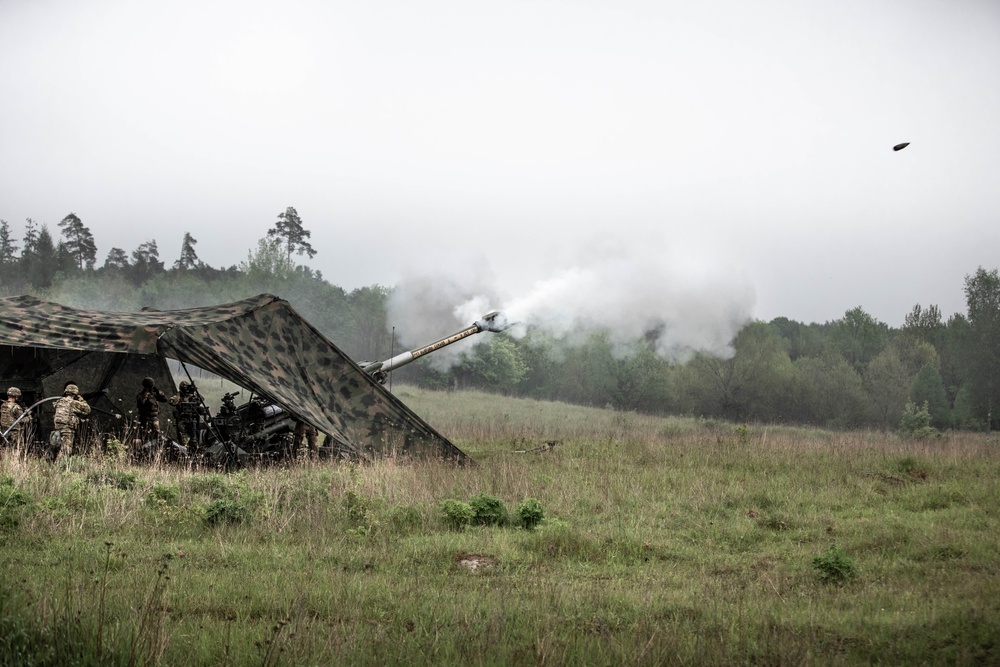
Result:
186,403
307,432
68,411
9,412
147,403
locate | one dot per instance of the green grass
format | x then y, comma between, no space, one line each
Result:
664,541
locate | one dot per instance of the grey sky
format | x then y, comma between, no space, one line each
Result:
665,158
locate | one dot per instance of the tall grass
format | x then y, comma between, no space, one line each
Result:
665,541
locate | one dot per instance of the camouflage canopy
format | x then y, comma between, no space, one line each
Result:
261,344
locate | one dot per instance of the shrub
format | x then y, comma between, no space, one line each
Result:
916,422
488,511
834,566
161,494
214,486
125,481
530,512
115,450
456,514
224,511
405,518
361,512
11,502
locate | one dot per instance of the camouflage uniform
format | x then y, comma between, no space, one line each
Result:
186,402
310,434
68,409
9,412
147,403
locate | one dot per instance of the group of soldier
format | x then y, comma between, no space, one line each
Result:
186,402
71,407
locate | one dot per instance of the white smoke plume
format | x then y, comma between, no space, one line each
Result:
681,301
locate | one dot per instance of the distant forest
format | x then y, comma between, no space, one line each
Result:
854,372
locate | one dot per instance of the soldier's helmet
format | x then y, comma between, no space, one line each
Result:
147,383
14,392
72,389
184,385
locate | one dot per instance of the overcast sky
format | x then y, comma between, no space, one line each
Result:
727,158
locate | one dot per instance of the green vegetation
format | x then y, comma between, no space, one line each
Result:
661,541
849,372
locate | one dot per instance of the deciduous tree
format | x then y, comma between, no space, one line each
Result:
859,337
888,385
982,295
928,389
828,392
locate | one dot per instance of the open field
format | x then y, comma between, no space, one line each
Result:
665,541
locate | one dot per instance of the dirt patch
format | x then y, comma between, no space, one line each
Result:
475,562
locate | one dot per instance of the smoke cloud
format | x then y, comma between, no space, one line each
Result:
681,301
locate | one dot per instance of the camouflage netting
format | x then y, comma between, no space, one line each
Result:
260,343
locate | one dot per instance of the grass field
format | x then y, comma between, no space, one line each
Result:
664,541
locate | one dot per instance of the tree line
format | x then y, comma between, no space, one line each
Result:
851,372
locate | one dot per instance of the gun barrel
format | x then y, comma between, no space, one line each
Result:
489,322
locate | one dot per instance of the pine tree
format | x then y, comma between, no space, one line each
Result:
189,258
292,234
145,261
8,246
117,259
30,248
79,241
44,264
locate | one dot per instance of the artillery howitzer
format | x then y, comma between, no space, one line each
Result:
263,430
493,321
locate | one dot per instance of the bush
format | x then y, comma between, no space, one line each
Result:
167,495
213,486
530,512
125,481
405,518
115,450
224,511
11,502
488,511
834,566
916,422
361,513
456,514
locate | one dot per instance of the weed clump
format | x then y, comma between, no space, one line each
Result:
115,451
405,518
11,502
213,486
834,566
361,513
228,511
456,514
163,495
530,512
123,481
488,511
